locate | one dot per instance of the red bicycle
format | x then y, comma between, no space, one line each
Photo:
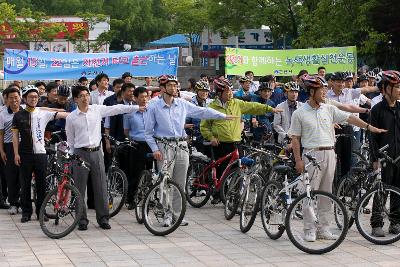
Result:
63,205
202,180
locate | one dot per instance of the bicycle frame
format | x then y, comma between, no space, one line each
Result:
233,156
304,177
63,196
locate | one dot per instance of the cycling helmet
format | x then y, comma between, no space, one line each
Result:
315,82
202,85
292,86
220,85
266,86
172,78
162,79
391,76
348,75
362,77
244,79
63,90
371,74
338,76
28,89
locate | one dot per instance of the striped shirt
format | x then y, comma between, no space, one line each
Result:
6,120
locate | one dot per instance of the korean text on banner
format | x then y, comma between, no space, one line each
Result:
289,62
35,65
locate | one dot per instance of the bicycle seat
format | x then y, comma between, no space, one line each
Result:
247,161
50,151
281,169
358,170
269,146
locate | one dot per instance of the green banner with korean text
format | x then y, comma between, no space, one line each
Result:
289,62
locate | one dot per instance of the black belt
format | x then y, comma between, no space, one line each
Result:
324,148
90,149
172,139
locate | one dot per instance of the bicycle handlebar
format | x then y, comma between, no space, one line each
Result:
168,143
120,143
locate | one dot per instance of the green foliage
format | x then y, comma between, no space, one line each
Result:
372,25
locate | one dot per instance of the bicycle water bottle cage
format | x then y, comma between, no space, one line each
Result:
247,161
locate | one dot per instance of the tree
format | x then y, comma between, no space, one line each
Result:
30,26
81,40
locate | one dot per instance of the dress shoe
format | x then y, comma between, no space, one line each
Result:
25,219
4,205
82,227
105,225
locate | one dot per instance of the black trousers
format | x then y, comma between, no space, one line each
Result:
390,176
222,150
12,174
343,149
3,183
37,164
137,163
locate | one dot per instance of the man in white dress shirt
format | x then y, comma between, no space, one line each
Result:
83,129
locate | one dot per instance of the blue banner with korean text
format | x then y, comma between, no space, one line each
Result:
35,65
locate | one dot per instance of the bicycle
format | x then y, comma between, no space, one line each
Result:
164,205
117,182
62,206
252,184
382,200
51,152
202,180
353,186
292,205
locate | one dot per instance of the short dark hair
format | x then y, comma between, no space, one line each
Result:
77,89
203,75
117,81
37,84
321,68
126,74
139,90
101,76
10,90
126,86
267,78
83,79
248,72
302,72
50,86
192,82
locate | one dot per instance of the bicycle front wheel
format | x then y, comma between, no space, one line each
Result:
250,204
273,210
232,201
197,185
379,209
143,187
60,213
316,232
164,208
117,188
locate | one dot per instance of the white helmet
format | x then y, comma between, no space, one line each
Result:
28,89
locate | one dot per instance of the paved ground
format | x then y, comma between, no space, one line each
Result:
209,240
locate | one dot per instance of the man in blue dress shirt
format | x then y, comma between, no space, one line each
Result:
165,118
134,130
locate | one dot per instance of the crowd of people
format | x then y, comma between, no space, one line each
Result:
310,109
